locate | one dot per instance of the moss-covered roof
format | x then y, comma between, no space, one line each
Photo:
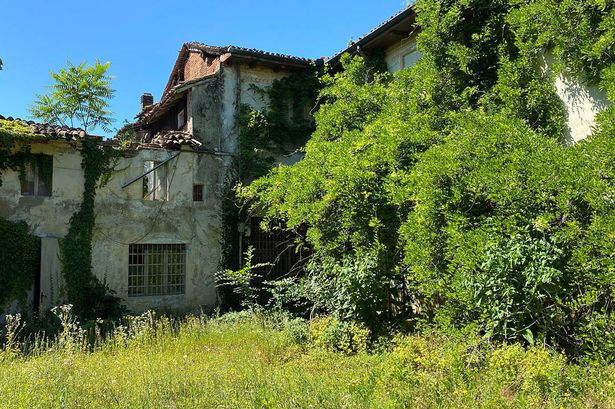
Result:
19,129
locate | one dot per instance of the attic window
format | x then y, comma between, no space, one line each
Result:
181,119
155,184
37,176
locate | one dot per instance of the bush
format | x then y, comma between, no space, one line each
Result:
339,336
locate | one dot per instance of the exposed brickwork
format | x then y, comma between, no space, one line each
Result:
199,65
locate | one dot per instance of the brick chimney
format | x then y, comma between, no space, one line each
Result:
146,100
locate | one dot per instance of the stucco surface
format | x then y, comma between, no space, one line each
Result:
123,217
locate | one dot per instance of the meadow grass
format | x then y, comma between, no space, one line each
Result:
258,362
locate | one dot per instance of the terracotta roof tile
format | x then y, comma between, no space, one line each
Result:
170,140
246,51
52,131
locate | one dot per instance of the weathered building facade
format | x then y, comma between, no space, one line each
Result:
158,230
159,227
151,246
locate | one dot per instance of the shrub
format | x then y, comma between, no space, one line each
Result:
339,336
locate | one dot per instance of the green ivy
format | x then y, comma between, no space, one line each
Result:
447,196
284,125
90,297
19,257
19,250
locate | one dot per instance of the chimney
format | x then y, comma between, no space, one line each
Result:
146,100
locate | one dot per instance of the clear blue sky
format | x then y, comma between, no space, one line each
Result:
142,38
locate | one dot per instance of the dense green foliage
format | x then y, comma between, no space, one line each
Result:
447,195
15,139
91,298
19,250
79,98
246,361
19,258
281,127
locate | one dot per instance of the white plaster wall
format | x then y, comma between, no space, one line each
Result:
47,216
123,217
238,89
582,101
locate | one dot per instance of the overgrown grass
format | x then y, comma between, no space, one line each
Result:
255,361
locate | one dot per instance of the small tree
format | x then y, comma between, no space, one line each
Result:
79,97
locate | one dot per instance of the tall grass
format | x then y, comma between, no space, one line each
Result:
259,361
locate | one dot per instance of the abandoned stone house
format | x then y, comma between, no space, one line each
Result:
157,240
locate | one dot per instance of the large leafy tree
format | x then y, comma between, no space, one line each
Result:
447,196
79,97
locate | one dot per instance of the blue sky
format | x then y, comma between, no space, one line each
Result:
142,38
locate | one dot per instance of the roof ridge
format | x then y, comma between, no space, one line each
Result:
231,47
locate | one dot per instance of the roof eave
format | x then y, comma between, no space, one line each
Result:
364,41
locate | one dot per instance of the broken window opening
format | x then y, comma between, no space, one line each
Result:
181,119
156,269
155,184
37,176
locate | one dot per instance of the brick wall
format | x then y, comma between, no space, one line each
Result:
199,65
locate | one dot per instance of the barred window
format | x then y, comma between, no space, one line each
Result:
197,193
156,269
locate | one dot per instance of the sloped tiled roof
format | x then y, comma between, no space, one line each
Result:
246,51
50,131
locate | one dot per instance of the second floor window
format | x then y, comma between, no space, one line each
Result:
155,183
37,176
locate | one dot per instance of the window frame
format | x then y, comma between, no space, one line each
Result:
405,54
32,167
157,192
140,273
198,193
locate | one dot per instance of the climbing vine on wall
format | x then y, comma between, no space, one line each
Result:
282,128
19,250
19,258
284,125
90,297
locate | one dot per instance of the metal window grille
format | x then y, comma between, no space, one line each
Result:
277,249
156,269
197,193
